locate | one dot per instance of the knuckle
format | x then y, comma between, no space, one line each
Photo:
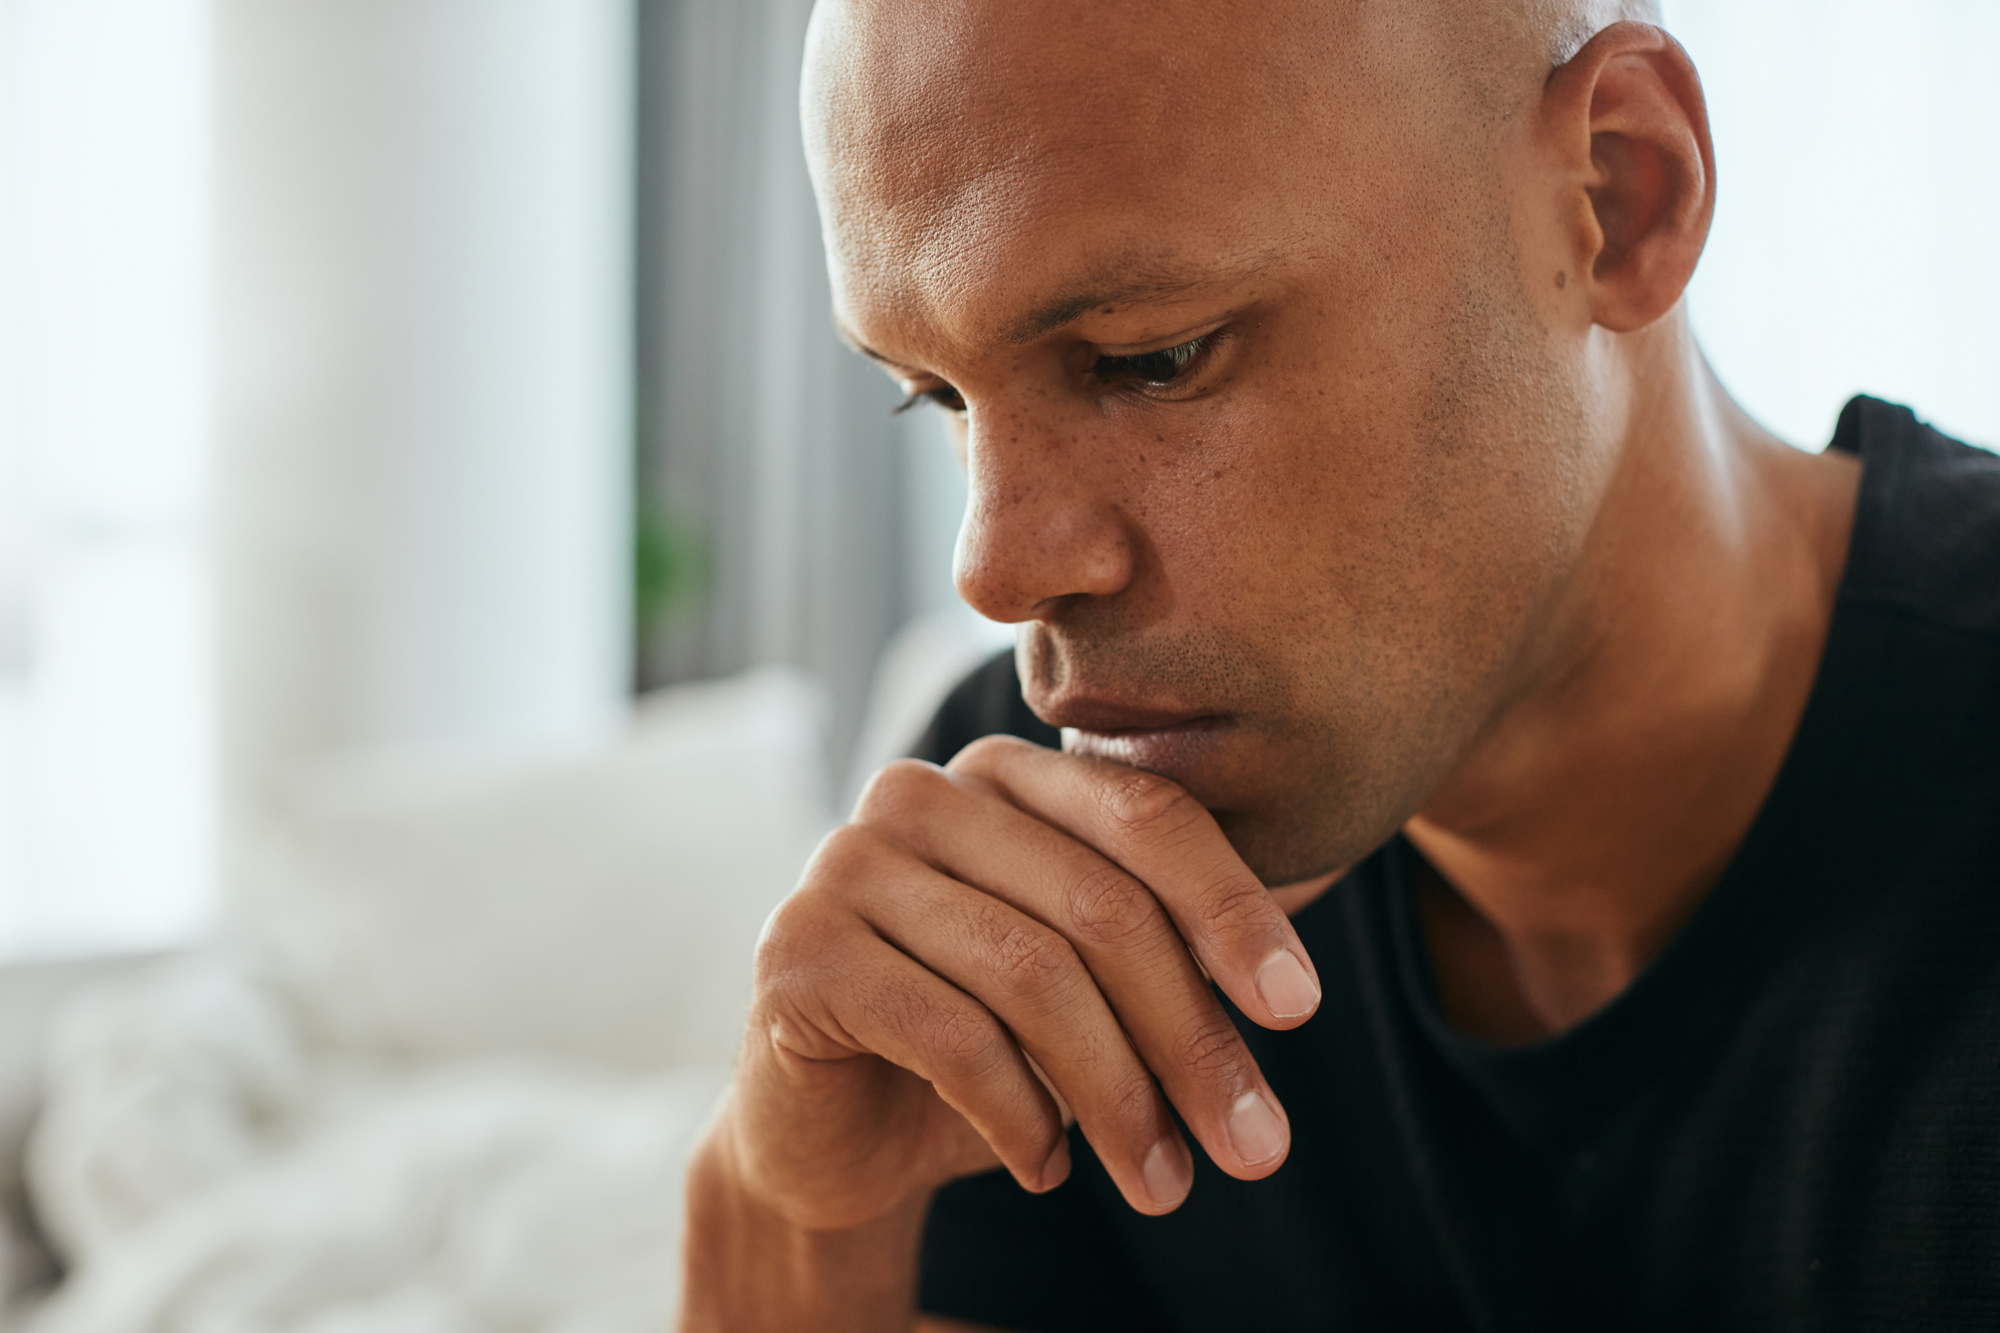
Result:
984,754
797,954
1146,805
897,790
851,855
965,1044
786,935
1211,1050
812,923
1107,906
1134,1101
1031,960
838,852
1230,902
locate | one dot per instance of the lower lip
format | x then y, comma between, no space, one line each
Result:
1172,752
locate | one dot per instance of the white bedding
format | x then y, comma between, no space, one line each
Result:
214,1179
443,1077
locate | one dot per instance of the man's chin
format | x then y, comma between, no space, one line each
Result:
1289,820
1287,847
1285,853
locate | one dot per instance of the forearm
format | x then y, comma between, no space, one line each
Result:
750,1270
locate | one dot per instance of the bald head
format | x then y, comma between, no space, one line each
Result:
1259,328
930,126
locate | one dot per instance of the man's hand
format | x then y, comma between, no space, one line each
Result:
989,948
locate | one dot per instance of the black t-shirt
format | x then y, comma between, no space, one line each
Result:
1790,1120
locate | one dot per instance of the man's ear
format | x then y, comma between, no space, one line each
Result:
1630,130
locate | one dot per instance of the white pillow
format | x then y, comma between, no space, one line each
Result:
602,906
927,657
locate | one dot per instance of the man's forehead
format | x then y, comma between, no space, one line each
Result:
1024,164
973,158
934,83
883,66
914,97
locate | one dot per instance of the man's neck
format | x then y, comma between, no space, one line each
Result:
1590,819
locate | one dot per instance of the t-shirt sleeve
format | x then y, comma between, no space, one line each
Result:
994,1253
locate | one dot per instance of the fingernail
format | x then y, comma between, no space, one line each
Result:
1286,988
1168,1174
1056,1170
1255,1130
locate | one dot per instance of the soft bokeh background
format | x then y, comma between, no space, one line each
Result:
341,346
394,391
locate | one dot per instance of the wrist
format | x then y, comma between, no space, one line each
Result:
748,1267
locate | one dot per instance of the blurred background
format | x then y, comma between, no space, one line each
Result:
406,404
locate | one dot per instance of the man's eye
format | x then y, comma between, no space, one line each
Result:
1157,368
943,395
1161,367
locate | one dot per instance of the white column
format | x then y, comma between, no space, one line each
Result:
106,792
424,383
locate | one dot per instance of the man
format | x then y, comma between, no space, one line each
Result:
1627,782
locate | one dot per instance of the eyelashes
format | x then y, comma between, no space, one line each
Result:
1154,370
944,396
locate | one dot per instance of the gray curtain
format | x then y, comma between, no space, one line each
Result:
790,518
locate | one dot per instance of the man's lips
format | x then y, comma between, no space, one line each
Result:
1165,741
1108,717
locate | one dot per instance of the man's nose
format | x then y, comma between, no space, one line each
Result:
1037,532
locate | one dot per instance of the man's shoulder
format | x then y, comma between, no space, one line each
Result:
1926,540
986,703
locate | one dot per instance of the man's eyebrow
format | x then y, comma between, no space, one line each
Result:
1052,315
846,335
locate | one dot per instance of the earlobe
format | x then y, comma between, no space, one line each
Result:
1631,126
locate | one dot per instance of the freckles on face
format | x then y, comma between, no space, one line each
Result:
1325,537
1342,549
1334,545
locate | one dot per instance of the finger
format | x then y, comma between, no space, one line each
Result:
1031,978
1164,838
1135,957
857,994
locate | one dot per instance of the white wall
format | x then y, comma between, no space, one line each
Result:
424,377
314,417
1857,232
106,781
